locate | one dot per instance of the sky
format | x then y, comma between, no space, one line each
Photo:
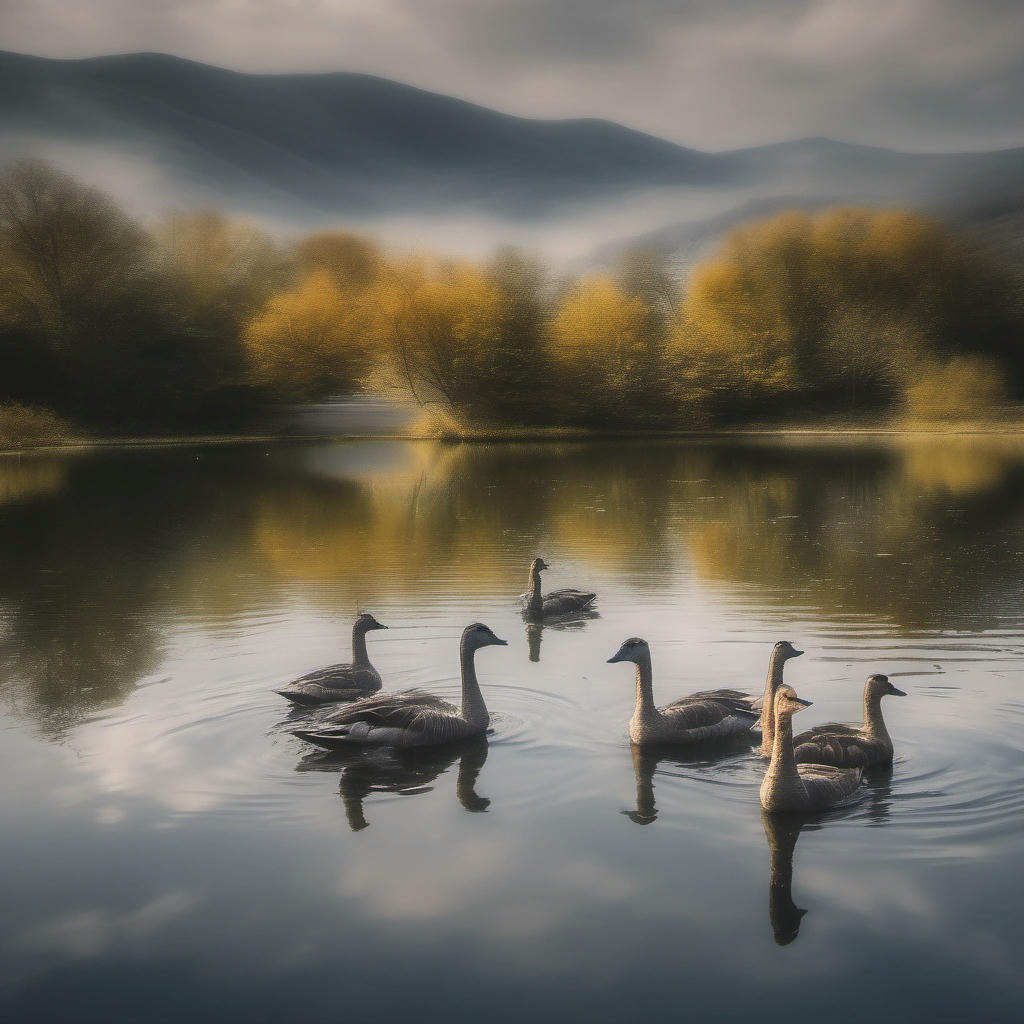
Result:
716,74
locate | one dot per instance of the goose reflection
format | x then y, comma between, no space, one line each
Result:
535,630
782,832
647,758
406,771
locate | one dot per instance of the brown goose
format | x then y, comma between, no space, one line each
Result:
702,716
538,607
806,787
413,718
847,746
340,682
782,652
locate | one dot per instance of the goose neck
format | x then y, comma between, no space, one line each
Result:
782,772
536,601
874,724
645,711
474,710
359,655
771,684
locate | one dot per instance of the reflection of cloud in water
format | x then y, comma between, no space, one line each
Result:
94,932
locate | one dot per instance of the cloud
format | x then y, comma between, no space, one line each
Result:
919,74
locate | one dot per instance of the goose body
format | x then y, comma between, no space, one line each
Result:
538,606
413,718
788,786
711,714
846,746
340,682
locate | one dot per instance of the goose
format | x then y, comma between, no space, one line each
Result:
559,602
413,718
807,787
688,720
847,746
782,652
340,682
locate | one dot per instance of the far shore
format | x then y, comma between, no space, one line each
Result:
1007,430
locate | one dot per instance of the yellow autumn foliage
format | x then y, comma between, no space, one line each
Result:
308,341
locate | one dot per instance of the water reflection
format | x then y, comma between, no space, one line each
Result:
402,771
150,602
647,760
535,630
782,832
101,550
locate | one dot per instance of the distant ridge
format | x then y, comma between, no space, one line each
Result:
304,147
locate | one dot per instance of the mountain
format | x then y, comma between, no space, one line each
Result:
159,131
342,143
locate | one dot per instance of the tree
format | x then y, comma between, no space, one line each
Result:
611,372
438,327
810,310
353,261
307,341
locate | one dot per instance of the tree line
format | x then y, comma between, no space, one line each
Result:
202,320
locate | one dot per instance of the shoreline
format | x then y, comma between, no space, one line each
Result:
1013,430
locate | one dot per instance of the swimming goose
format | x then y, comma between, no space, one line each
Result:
559,602
413,718
847,746
340,682
782,652
807,787
687,720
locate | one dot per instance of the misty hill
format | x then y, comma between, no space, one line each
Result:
304,147
344,143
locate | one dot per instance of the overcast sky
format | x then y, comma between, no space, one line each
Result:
915,74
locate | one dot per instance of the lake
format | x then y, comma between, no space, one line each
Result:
172,852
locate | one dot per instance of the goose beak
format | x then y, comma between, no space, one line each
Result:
896,693
802,703
616,657
796,653
498,642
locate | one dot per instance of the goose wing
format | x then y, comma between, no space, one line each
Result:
393,709
336,682
736,699
559,602
408,719
703,713
827,784
848,748
722,701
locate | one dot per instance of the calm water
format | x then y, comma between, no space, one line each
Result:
170,850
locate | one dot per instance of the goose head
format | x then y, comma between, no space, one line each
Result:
478,635
788,703
538,565
785,650
634,649
878,685
366,622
